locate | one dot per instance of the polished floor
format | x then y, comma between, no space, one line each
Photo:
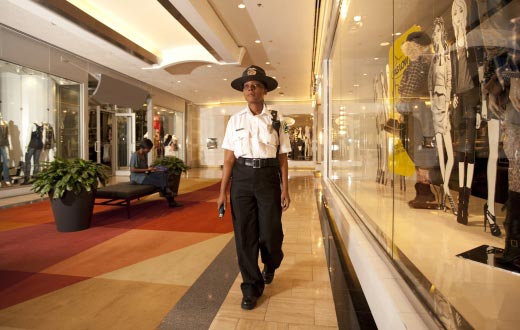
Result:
131,274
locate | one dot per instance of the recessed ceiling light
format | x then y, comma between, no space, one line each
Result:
257,41
397,34
279,87
357,18
179,81
356,85
224,79
365,74
274,77
376,58
386,43
267,63
241,6
209,65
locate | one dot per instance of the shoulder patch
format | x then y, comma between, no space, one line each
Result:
285,127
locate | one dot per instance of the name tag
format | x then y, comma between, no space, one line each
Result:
239,129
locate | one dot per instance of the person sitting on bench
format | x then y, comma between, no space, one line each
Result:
141,173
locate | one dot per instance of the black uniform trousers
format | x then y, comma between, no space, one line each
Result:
257,221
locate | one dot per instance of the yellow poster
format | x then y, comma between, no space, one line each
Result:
398,63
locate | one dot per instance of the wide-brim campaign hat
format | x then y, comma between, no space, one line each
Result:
254,72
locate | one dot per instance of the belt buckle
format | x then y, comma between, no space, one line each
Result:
257,163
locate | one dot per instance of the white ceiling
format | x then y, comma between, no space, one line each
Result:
285,29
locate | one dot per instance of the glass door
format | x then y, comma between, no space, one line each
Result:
101,148
125,145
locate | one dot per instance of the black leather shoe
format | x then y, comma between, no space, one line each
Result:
268,276
249,302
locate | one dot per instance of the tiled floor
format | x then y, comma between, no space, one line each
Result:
300,296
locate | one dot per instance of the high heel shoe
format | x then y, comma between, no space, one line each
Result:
452,203
492,220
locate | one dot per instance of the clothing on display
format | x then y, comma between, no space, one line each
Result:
5,144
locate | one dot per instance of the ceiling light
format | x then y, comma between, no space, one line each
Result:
267,63
356,85
357,18
274,77
396,34
279,87
376,58
209,65
386,43
241,6
224,79
365,74
257,41
179,81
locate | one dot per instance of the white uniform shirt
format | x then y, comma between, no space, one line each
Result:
253,136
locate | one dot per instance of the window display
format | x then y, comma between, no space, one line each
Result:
424,119
300,133
39,120
168,128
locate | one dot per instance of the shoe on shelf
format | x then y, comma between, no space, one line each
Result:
249,302
267,275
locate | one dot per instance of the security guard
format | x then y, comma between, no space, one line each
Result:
256,146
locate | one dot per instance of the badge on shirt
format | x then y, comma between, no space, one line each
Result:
285,127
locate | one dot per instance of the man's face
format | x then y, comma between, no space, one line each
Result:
254,91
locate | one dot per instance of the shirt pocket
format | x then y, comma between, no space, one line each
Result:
241,141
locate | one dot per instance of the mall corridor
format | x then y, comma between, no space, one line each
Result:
395,124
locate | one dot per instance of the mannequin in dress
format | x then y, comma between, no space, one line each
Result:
440,92
308,143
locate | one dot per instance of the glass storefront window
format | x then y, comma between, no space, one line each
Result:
39,120
168,129
301,137
424,141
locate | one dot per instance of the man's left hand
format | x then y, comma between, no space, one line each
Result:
286,201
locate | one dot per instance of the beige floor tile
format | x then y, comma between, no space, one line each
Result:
223,323
280,287
320,274
309,327
311,290
317,259
297,247
290,310
260,325
325,313
294,272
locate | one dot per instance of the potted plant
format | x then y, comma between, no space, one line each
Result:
175,167
71,186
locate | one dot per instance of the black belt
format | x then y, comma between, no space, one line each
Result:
259,162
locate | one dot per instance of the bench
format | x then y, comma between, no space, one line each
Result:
121,194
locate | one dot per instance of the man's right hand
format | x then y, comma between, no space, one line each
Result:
222,200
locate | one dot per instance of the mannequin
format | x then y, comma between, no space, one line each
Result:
511,254
418,134
307,140
466,103
496,51
440,91
34,149
49,138
5,145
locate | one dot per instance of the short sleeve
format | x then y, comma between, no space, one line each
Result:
133,160
285,144
228,137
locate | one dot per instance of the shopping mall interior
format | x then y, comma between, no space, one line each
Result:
395,122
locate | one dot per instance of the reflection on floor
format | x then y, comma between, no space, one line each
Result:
128,274
432,239
486,254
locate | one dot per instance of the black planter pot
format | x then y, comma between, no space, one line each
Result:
73,212
173,182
